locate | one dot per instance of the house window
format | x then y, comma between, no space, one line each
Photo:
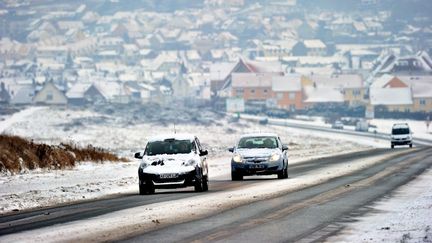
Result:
265,91
239,92
422,102
49,96
356,92
252,91
291,96
279,96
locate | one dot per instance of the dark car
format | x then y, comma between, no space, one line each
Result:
172,161
259,154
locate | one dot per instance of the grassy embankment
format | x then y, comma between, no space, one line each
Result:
17,154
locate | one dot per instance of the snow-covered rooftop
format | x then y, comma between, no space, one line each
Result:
220,71
323,94
78,90
382,81
291,82
338,80
391,96
421,85
251,80
314,44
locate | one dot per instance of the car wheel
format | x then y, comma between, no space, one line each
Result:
392,146
410,145
199,184
236,177
146,189
283,173
205,184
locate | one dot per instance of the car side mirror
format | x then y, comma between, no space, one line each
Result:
231,150
203,152
138,155
284,147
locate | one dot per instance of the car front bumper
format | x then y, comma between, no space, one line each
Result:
174,180
263,168
401,142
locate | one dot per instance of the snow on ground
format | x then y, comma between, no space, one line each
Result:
404,217
41,188
6,122
407,220
152,216
316,121
419,128
50,187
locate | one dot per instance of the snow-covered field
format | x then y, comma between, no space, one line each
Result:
40,188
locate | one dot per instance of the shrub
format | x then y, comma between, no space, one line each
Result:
18,154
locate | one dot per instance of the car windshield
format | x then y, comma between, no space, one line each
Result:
258,142
169,146
397,131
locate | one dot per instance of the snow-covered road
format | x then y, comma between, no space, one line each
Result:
143,218
41,188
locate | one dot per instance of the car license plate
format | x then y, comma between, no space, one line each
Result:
256,166
168,176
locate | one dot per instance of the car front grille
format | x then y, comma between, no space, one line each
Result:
256,159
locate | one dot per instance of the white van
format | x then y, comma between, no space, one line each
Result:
401,135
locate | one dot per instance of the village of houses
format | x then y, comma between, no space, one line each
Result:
269,54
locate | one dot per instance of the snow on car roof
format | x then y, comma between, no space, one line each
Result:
176,136
400,125
259,135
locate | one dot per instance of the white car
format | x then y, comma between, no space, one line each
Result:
337,125
401,135
172,161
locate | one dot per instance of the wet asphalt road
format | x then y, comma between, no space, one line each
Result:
27,220
307,215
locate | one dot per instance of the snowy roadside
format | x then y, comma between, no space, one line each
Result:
419,128
41,188
404,217
153,216
17,117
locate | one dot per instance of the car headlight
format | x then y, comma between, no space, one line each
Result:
143,165
237,158
275,157
190,163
